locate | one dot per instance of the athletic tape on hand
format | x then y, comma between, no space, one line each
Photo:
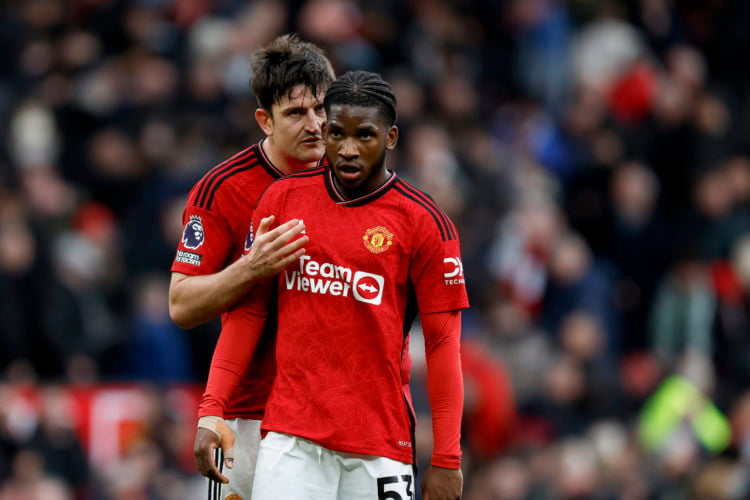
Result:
221,429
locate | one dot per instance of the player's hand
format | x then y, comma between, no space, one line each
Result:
440,483
274,250
213,433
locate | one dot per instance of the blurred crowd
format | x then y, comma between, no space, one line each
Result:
594,155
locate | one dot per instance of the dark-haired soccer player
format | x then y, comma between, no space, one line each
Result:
209,273
379,251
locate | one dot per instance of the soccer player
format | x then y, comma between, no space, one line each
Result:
379,251
210,273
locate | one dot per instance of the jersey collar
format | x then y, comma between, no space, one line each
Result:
362,200
266,162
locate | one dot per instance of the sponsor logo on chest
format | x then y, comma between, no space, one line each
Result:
325,278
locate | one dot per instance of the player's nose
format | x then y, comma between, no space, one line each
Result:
348,149
313,122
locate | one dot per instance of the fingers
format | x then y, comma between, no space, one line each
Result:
228,457
285,261
227,443
282,234
296,246
213,473
273,251
206,442
265,223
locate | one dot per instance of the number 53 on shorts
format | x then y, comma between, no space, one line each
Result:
395,487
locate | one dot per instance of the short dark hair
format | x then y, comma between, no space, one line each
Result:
283,64
363,88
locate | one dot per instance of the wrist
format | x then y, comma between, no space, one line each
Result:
226,438
212,423
446,461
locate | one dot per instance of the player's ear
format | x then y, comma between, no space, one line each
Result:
391,137
265,121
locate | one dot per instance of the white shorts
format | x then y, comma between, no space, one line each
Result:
293,467
247,440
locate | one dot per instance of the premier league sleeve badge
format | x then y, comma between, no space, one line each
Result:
249,238
193,235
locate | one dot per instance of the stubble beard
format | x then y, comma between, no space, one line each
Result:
357,190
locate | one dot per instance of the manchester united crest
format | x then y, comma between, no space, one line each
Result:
378,239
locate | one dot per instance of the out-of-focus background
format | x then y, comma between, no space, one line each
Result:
594,155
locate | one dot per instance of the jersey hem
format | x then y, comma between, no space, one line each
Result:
405,458
246,415
446,307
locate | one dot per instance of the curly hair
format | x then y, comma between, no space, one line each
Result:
283,64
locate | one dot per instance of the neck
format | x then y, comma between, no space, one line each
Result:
375,183
285,164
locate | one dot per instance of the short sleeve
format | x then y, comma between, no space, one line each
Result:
206,242
436,270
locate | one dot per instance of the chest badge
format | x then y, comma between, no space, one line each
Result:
378,239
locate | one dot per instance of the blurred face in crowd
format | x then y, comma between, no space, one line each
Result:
293,128
357,139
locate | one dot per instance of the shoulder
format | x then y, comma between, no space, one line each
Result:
304,175
293,182
425,210
233,174
298,179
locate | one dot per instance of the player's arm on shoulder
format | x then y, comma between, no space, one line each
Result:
272,249
195,299
442,334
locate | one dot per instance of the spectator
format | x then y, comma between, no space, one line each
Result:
631,137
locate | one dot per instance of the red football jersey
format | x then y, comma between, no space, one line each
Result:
217,217
345,309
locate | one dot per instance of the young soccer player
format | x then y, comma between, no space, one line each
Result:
210,274
379,251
